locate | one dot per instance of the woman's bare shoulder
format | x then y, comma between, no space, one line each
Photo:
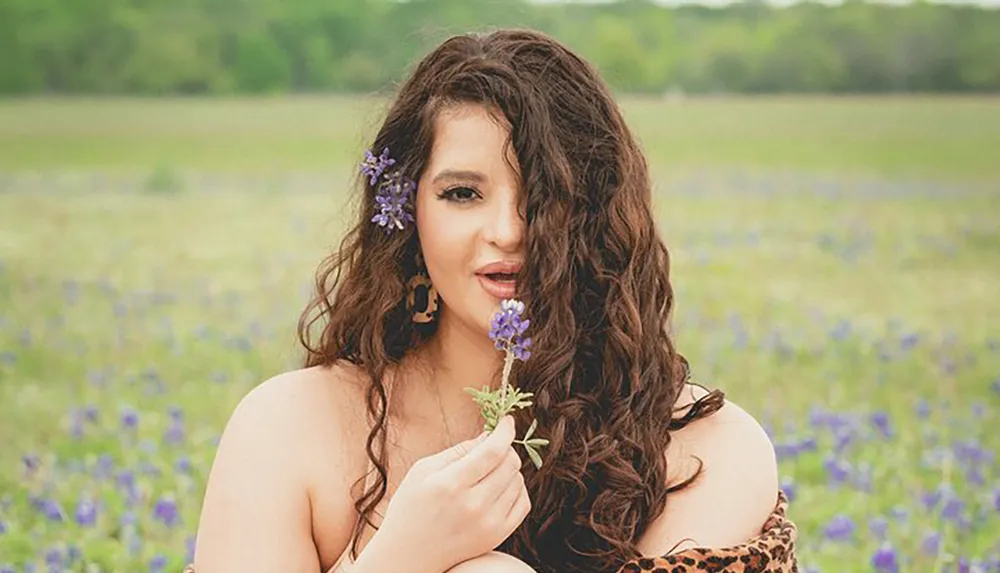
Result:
287,437
734,494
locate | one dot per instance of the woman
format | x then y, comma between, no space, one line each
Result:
503,169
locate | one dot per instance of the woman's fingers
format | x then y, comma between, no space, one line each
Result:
484,456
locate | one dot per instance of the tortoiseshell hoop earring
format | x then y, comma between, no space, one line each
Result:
422,299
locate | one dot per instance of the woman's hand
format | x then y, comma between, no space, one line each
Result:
457,504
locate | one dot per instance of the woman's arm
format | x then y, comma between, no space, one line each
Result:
256,515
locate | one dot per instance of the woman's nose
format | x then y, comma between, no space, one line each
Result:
506,225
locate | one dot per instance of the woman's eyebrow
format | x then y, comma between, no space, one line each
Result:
459,175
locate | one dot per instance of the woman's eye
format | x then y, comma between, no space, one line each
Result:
460,194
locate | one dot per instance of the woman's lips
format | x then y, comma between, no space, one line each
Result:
499,289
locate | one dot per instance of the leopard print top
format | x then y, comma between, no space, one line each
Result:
773,551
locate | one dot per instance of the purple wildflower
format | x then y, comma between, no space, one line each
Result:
507,327
884,560
175,433
837,470
86,512
923,408
126,480
953,508
31,463
878,526
52,510
899,512
157,564
54,558
931,543
788,486
7,569
394,200
840,528
105,466
130,418
880,420
166,511
374,166
3,527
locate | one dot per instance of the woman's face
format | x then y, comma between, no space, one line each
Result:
467,211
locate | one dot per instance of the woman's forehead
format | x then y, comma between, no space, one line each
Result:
469,138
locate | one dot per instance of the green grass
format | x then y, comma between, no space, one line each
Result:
940,137
799,274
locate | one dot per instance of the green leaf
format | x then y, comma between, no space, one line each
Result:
535,458
531,429
536,442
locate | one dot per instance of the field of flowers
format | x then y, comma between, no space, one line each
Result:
855,313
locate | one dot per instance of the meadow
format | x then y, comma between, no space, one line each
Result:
836,264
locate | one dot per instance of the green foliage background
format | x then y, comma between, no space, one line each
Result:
235,46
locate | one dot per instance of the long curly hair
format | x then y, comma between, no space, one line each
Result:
596,281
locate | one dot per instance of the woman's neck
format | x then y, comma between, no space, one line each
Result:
454,359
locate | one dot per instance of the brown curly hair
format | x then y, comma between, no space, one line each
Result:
605,374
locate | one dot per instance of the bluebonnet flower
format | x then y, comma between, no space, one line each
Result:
931,543
166,511
880,420
126,480
7,569
157,564
878,526
54,558
183,464
374,166
899,512
788,486
3,527
953,508
86,512
507,328
31,463
130,418
175,433
394,198
104,467
52,510
884,560
837,470
923,408
840,528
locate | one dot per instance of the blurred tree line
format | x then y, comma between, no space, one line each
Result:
240,46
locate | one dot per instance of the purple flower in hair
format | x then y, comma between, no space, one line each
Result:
374,166
393,202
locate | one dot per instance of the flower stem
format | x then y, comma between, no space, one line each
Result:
507,363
